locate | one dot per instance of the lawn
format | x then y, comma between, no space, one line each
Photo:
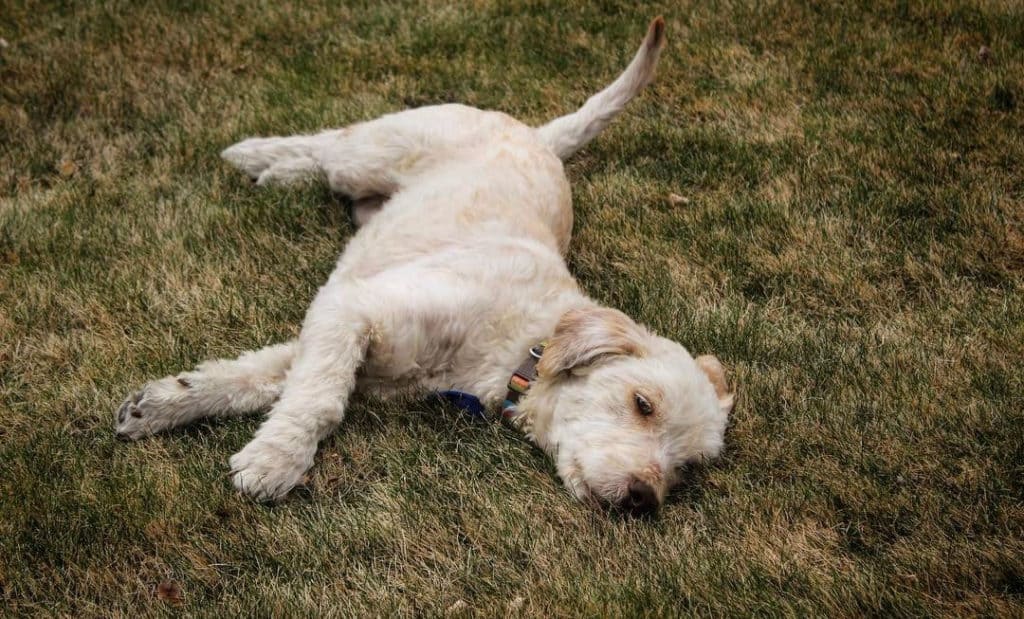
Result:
828,196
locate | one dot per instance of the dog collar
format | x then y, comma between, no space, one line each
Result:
520,382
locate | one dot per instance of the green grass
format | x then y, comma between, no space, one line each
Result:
852,248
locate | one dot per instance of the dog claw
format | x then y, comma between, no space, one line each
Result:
150,409
129,417
129,407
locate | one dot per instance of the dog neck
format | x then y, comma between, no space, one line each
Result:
533,414
528,406
530,401
519,384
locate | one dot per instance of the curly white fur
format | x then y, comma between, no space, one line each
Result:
457,270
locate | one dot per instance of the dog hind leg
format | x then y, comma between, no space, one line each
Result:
364,160
364,209
357,161
219,388
288,171
267,159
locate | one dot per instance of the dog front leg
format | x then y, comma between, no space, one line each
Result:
219,388
312,404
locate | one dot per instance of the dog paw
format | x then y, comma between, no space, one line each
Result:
266,471
152,409
251,156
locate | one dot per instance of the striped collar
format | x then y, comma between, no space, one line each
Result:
520,382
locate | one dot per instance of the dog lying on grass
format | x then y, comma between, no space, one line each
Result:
454,277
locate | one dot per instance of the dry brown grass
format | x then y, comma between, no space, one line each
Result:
852,247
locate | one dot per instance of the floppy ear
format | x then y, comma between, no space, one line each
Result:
716,374
584,335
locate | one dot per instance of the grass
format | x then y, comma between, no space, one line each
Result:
851,246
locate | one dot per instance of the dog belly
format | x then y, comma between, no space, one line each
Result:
462,318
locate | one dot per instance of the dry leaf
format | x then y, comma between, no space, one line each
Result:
458,608
3,43
67,168
675,199
169,591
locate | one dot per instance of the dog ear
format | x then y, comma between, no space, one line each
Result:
584,335
712,367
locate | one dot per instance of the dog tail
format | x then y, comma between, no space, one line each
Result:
568,134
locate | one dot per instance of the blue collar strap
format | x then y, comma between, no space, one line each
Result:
466,402
518,385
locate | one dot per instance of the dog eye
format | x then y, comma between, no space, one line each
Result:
643,405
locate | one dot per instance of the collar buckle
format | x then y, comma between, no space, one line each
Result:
521,380
537,351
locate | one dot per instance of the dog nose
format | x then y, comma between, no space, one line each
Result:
641,500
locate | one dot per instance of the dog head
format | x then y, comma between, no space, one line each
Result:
621,410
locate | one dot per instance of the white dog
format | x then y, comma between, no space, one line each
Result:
455,276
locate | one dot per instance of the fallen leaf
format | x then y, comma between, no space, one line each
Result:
3,43
675,199
169,591
459,607
67,168
516,604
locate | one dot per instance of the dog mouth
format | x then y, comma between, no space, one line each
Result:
633,498
639,501
579,487
586,494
